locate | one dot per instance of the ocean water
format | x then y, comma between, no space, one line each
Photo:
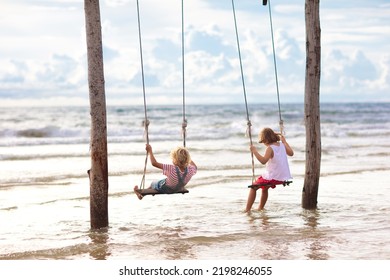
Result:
44,187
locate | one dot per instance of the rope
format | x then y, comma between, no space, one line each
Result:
275,67
249,125
184,124
146,121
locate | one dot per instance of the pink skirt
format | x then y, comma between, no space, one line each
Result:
261,181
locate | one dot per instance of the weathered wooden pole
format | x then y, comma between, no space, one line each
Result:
98,174
312,104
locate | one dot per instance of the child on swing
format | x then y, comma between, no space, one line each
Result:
178,174
277,169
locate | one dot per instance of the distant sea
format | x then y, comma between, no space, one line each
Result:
44,187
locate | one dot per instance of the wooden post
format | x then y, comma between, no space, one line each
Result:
98,174
312,104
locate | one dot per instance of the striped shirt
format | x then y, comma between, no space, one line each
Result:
169,170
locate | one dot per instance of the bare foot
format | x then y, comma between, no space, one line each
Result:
136,191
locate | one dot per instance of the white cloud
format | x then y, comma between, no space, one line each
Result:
116,3
43,50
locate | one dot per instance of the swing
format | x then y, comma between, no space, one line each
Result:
149,191
257,186
153,192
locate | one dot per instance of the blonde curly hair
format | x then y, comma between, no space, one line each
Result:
180,157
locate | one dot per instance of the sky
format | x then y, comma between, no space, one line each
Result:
43,57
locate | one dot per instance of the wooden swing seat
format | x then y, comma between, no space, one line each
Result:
257,186
153,192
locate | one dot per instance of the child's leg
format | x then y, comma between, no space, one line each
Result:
139,195
264,197
251,199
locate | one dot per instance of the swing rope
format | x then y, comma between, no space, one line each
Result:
249,124
184,124
275,67
146,121
284,183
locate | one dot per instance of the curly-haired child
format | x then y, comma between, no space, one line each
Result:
177,174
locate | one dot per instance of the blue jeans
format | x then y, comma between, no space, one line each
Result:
161,187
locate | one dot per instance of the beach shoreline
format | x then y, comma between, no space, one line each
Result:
44,186
335,218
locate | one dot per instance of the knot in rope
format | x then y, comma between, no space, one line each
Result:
281,126
248,129
145,124
183,131
184,124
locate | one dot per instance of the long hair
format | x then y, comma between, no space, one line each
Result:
268,136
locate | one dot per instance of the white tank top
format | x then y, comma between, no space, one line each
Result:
277,167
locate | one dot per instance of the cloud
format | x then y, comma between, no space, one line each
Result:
43,50
59,74
116,3
355,70
210,40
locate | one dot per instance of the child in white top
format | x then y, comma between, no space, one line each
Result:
277,169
